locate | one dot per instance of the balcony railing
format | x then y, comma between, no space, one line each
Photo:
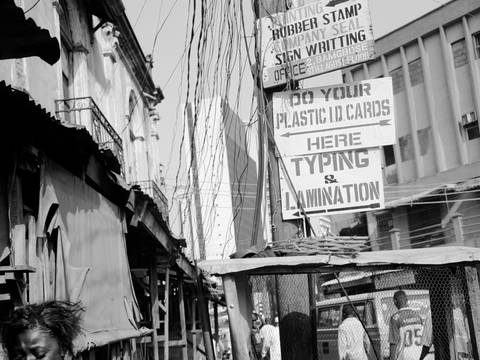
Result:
151,188
84,111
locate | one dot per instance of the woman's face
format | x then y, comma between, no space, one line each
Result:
36,344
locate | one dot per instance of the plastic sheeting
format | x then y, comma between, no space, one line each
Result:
91,264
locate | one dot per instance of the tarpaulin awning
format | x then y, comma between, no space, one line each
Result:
91,262
289,264
21,37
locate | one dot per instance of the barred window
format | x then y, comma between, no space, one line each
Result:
389,155
415,71
397,80
459,51
470,125
476,44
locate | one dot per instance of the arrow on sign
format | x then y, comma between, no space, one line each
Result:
335,2
371,206
380,123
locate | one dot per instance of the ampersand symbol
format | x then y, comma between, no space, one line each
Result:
330,179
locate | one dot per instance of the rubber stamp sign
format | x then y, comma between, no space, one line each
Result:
315,38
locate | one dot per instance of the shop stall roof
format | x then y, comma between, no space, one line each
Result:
364,261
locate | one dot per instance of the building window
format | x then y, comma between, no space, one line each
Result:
476,44
424,224
470,125
416,72
424,140
406,147
389,155
459,51
397,80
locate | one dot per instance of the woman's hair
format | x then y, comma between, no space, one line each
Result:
60,319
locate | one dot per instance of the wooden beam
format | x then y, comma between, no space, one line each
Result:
186,267
154,308
17,268
167,313
183,323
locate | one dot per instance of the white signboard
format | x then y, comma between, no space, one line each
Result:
334,118
332,183
315,38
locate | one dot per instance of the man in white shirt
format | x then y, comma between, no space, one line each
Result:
271,341
352,338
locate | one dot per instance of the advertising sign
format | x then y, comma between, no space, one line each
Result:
315,38
332,183
334,118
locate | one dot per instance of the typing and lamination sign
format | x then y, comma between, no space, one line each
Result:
318,37
334,118
332,183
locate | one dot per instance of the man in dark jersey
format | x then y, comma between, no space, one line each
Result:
406,328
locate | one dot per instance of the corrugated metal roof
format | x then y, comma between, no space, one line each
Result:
364,261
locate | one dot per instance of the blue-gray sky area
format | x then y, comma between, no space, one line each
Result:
168,21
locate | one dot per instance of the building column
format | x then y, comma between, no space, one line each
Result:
474,73
395,238
411,114
366,73
453,95
396,147
437,140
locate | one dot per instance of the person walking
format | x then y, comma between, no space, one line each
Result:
353,343
405,330
270,335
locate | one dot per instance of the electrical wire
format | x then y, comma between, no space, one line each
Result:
31,7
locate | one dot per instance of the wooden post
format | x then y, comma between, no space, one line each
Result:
194,329
457,222
204,317
473,310
155,306
215,322
183,324
239,314
313,311
166,346
289,295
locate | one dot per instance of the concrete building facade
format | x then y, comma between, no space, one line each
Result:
102,81
431,171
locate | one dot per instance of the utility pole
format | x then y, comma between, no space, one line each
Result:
292,290
196,187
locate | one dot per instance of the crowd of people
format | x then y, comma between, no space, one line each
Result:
265,338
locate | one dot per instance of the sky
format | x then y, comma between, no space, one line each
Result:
169,20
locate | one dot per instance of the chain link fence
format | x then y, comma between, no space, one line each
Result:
363,315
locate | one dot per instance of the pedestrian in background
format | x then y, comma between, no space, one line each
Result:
353,343
45,331
270,335
406,327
